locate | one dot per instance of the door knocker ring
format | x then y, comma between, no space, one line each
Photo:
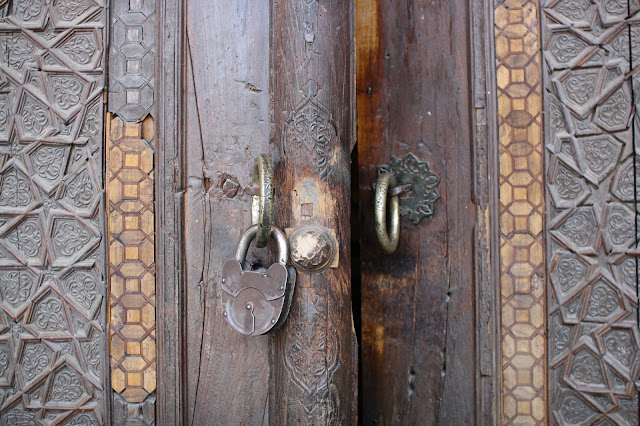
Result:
262,203
388,241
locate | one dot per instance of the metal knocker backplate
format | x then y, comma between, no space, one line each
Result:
424,185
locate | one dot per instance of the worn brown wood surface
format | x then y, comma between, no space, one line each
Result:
169,219
418,332
227,119
314,355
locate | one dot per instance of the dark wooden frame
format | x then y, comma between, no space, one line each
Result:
169,189
486,192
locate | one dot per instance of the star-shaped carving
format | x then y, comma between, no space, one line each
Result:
601,265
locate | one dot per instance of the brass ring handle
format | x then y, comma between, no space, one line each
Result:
263,201
388,241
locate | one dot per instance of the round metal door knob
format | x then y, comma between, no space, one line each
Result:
312,248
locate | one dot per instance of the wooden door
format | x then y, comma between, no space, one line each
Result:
128,135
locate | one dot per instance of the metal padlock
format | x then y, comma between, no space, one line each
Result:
256,302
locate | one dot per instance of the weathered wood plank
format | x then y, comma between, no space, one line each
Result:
169,217
314,355
227,127
418,304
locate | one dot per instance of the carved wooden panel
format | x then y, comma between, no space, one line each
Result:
52,331
593,280
129,178
521,212
132,58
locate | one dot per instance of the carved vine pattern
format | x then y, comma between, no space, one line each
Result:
51,263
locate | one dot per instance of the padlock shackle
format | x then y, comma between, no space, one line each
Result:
250,235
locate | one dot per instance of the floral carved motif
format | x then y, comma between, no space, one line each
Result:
565,47
66,92
569,272
83,288
81,190
29,9
71,9
599,154
568,184
80,48
603,301
34,117
14,189
615,110
18,52
27,238
35,359
49,316
575,9
4,361
575,410
69,238
67,386
16,286
586,369
580,228
48,162
616,7
621,346
621,226
581,87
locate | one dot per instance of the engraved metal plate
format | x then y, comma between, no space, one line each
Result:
419,201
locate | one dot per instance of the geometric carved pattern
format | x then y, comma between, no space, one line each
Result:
132,59
590,48
130,198
52,271
522,210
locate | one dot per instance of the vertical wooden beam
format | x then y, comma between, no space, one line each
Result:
486,192
314,355
169,220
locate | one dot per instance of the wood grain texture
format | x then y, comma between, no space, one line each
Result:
170,40
227,125
314,354
487,256
418,321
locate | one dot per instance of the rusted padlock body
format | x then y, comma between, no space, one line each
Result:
256,302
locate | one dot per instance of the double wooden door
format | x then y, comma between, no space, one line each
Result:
392,334
128,135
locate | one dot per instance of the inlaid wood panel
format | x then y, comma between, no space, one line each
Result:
132,58
131,211
52,285
589,50
522,209
129,178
